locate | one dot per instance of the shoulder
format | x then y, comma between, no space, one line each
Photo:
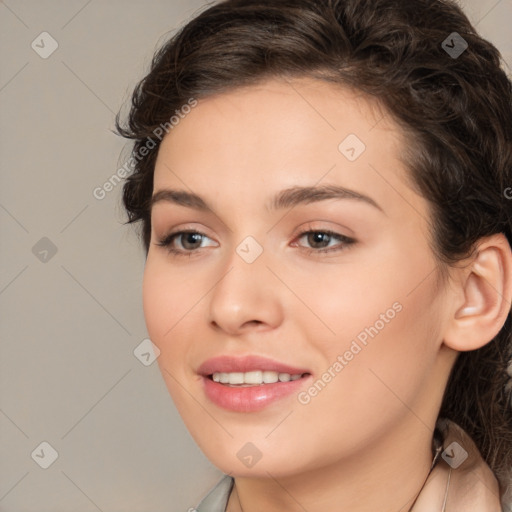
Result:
460,481
217,498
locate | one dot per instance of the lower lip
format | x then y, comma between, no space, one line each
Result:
250,398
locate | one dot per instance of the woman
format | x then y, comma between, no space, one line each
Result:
338,339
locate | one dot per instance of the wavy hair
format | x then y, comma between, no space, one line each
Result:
456,111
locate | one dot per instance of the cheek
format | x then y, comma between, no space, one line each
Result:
157,304
378,388
364,294
338,304
166,301
386,360
385,325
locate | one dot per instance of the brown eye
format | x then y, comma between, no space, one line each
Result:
189,241
319,240
318,237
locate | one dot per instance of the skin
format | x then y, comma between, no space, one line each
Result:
364,442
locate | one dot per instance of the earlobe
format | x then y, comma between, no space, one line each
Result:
486,288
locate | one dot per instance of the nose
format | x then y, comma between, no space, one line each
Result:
246,297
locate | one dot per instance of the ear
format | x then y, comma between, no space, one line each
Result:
483,295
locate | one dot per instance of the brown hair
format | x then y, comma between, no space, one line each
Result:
456,110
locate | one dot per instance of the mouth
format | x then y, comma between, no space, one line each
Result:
250,383
254,378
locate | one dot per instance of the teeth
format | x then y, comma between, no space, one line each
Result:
236,378
270,377
253,378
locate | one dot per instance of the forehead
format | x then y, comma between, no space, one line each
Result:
258,139
288,108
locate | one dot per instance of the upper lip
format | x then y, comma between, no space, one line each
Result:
247,363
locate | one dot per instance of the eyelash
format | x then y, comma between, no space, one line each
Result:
167,241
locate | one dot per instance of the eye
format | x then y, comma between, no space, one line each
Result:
189,242
320,240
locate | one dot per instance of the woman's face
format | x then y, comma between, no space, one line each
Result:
361,324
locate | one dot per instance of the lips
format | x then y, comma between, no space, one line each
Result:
230,364
250,398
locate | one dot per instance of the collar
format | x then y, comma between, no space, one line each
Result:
460,480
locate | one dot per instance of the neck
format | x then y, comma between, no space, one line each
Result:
386,476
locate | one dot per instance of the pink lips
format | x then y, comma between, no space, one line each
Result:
253,398
229,364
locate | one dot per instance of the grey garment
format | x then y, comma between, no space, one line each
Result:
217,499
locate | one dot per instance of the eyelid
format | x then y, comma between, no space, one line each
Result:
180,228
323,227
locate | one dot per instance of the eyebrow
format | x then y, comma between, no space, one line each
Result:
287,198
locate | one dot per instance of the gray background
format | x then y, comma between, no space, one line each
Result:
70,321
